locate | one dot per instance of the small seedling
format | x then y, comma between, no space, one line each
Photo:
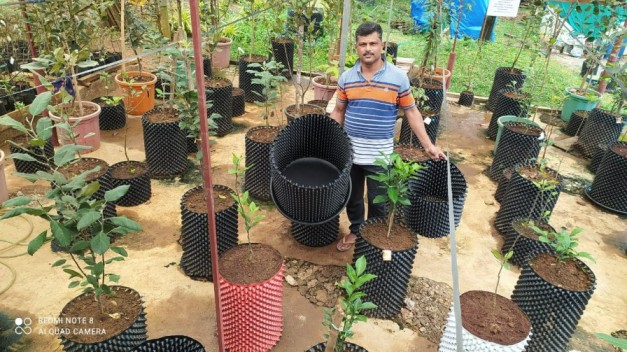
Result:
394,177
351,305
563,243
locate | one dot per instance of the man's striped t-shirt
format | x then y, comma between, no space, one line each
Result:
371,109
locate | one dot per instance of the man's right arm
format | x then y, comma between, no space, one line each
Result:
338,112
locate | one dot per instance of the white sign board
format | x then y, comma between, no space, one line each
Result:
503,8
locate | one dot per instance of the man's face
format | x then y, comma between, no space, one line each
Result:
369,48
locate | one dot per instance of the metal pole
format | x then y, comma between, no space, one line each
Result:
206,165
457,309
346,19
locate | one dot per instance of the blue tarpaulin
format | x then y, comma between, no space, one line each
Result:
470,23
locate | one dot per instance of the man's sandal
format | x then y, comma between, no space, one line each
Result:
346,242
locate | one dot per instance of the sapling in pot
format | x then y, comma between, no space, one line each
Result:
75,218
349,307
268,75
394,178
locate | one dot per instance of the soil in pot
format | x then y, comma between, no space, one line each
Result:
163,116
410,153
620,149
263,135
125,302
291,112
241,266
401,238
126,173
221,200
493,318
567,275
527,130
72,110
73,169
537,174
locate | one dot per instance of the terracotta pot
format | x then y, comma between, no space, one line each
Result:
87,130
4,191
222,54
140,96
322,91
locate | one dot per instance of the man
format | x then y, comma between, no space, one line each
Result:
368,98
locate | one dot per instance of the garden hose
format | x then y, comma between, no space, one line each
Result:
13,245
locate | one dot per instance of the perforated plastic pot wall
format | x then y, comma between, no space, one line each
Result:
283,52
503,76
435,95
238,104
348,347
128,339
176,343
472,343
206,66
597,157
190,142
505,106
407,135
515,148
388,290
111,117
466,98
317,235
31,167
222,104
258,172
254,92
391,49
165,145
554,312
320,138
519,200
253,314
196,259
601,128
428,213
140,188
576,123
522,246
501,188
609,187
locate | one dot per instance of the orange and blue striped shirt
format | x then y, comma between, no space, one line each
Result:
371,109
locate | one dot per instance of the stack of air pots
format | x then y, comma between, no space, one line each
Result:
428,213
220,95
310,162
519,143
164,142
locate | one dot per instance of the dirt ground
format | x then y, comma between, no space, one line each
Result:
176,304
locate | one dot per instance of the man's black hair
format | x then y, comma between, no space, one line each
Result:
368,28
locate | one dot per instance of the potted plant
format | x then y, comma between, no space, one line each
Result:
246,74
558,282
430,117
394,252
113,113
608,187
78,222
510,101
258,140
218,46
428,69
324,86
138,86
340,319
489,321
251,283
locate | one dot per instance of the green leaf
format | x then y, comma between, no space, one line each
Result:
380,199
100,243
586,255
17,201
22,156
90,189
126,223
87,63
614,341
351,273
368,305
73,284
393,194
114,277
44,128
59,262
73,273
61,233
87,219
119,250
67,153
19,211
79,247
40,103
116,193
36,243
360,265
6,120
